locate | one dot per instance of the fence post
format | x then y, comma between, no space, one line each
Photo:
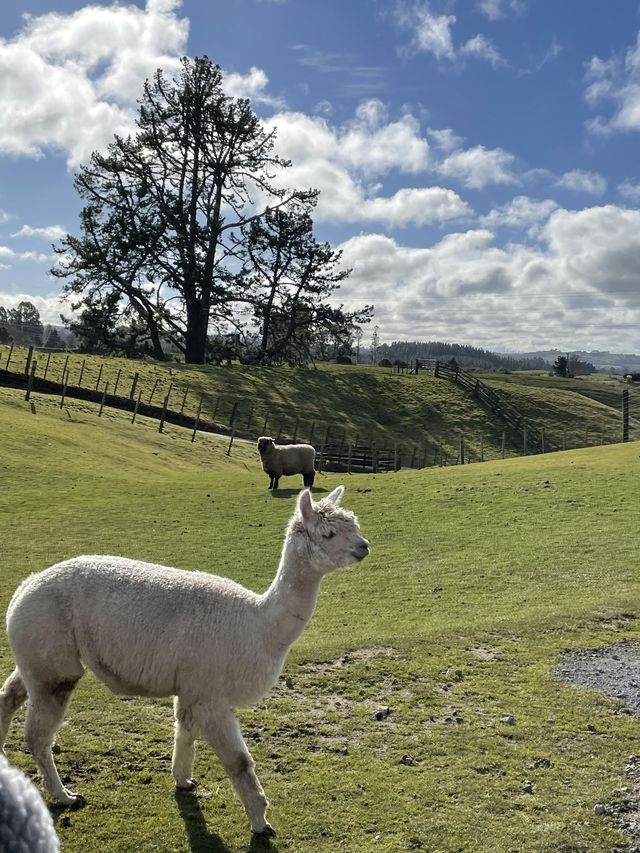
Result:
461,451
46,367
482,448
232,416
542,448
133,387
215,410
27,366
228,450
524,441
413,457
9,356
195,426
625,415
115,385
184,400
266,421
135,408
99,376
374,458
32,373
153,390
165,404
395,455
104,394
586,437
84,361
64,369
350,452
64,389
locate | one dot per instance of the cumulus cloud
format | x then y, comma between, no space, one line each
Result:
579,285
49,307
478,167
251,85
615,82
341,162
581,181
521,212
90,63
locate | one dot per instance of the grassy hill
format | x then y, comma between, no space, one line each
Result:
480,576
355,403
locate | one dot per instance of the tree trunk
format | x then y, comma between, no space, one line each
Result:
195,350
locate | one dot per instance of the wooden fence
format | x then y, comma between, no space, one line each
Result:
534,438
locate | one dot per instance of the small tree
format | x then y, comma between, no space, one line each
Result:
560,366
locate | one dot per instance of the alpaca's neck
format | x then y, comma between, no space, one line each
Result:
291,599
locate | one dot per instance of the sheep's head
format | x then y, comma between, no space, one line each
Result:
265,442
332,533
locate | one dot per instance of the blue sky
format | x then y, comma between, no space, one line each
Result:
478,161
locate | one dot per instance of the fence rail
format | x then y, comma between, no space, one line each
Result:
533,437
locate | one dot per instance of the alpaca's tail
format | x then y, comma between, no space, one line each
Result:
12,695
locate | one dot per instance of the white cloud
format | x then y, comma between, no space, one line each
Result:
251,85
581,181
615,81
49,307
630,190
479,47
341,161
478,167
579,288
90,63
496,9
520,212
432,33
51,232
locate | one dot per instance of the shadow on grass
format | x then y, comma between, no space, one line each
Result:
288,493
201,838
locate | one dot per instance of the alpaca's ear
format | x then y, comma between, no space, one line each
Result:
305,505
336,495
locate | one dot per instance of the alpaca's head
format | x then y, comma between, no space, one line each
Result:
330,534
264,443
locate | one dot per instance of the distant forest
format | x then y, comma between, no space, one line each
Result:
465,356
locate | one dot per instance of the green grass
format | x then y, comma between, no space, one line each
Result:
358,403
479,577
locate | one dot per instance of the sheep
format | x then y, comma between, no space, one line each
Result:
286,460
25,822
153,630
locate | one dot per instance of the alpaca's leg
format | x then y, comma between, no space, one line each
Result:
183,746
12,695
221,729
45,713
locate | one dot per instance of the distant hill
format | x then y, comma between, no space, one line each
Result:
602,360
466,356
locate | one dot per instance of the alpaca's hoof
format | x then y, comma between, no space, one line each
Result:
73,801
266,832
187,785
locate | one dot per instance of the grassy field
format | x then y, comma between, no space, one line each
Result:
480,576
358,403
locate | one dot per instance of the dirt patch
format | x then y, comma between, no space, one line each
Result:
615,670
354,656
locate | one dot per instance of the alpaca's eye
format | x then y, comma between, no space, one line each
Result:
330,534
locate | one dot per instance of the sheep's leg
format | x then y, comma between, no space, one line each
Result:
183,746
12,696
222,731
44,717
276,480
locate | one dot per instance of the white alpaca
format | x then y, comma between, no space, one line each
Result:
152,630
